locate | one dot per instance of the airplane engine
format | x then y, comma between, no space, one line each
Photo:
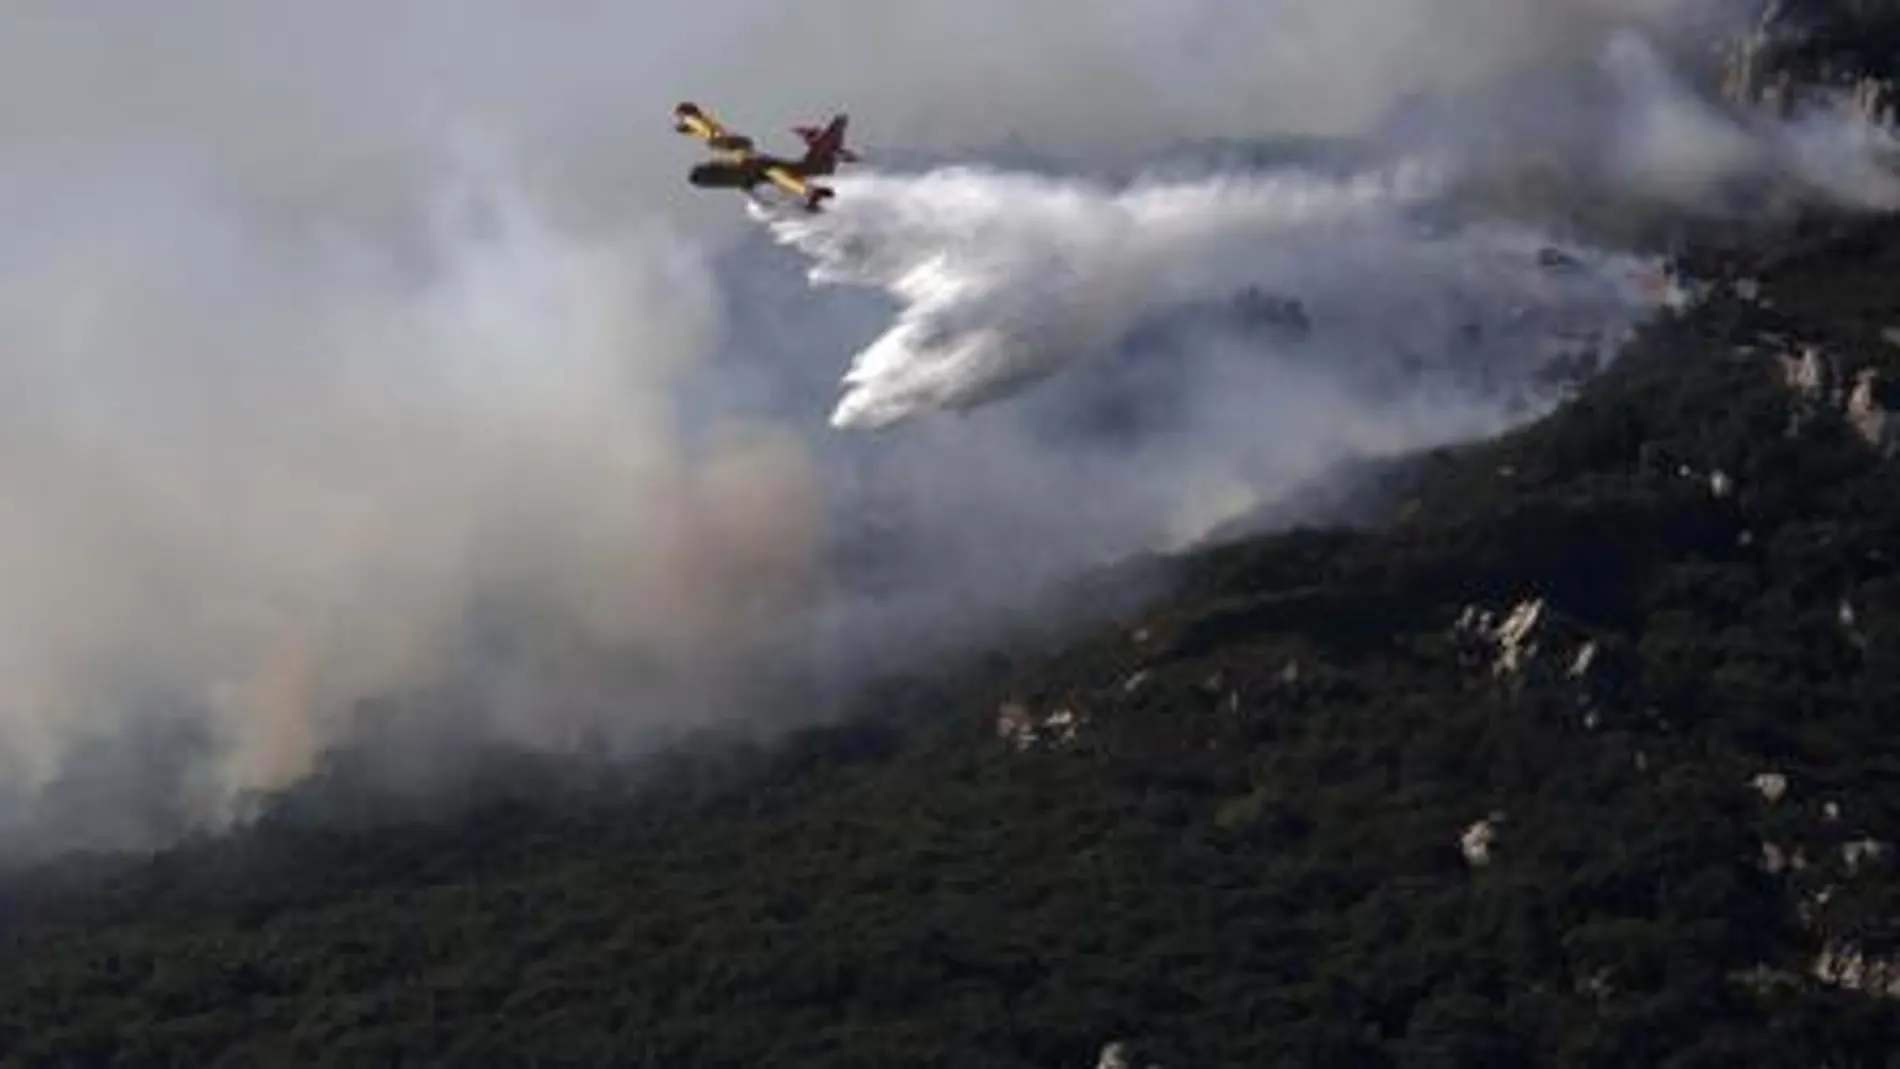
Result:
713,176
732,143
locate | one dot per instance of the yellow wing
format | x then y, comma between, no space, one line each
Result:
787,181
701,125
695,121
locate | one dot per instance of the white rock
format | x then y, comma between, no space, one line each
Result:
1772,785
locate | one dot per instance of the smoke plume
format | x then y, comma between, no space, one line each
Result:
262,479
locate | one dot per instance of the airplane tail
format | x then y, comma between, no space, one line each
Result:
824,147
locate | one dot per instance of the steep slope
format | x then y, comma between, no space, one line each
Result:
1582,758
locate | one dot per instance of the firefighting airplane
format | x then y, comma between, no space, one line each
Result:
737,166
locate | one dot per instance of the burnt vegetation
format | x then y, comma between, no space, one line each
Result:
1578,751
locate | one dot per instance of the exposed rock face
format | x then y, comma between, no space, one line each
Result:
1023,729
1869,415
1747,73
1532,645
1478,838
1121,1055
1815,378
1808,373
1511,642
1758,66
1875,98
1772,785
1854,970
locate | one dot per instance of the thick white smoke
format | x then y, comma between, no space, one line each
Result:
259,477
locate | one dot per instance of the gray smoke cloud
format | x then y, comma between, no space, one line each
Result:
337,340
263,479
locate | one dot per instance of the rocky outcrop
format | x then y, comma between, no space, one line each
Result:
1816,380
1749,75
1476,841
1769,67
1852,969
1531,646
1868,413
1024,729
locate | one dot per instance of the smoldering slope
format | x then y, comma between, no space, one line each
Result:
306,403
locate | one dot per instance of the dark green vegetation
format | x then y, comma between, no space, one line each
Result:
1248,854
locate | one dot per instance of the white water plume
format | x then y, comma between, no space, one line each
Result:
1002,279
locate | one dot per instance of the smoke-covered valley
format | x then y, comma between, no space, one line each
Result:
379,354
